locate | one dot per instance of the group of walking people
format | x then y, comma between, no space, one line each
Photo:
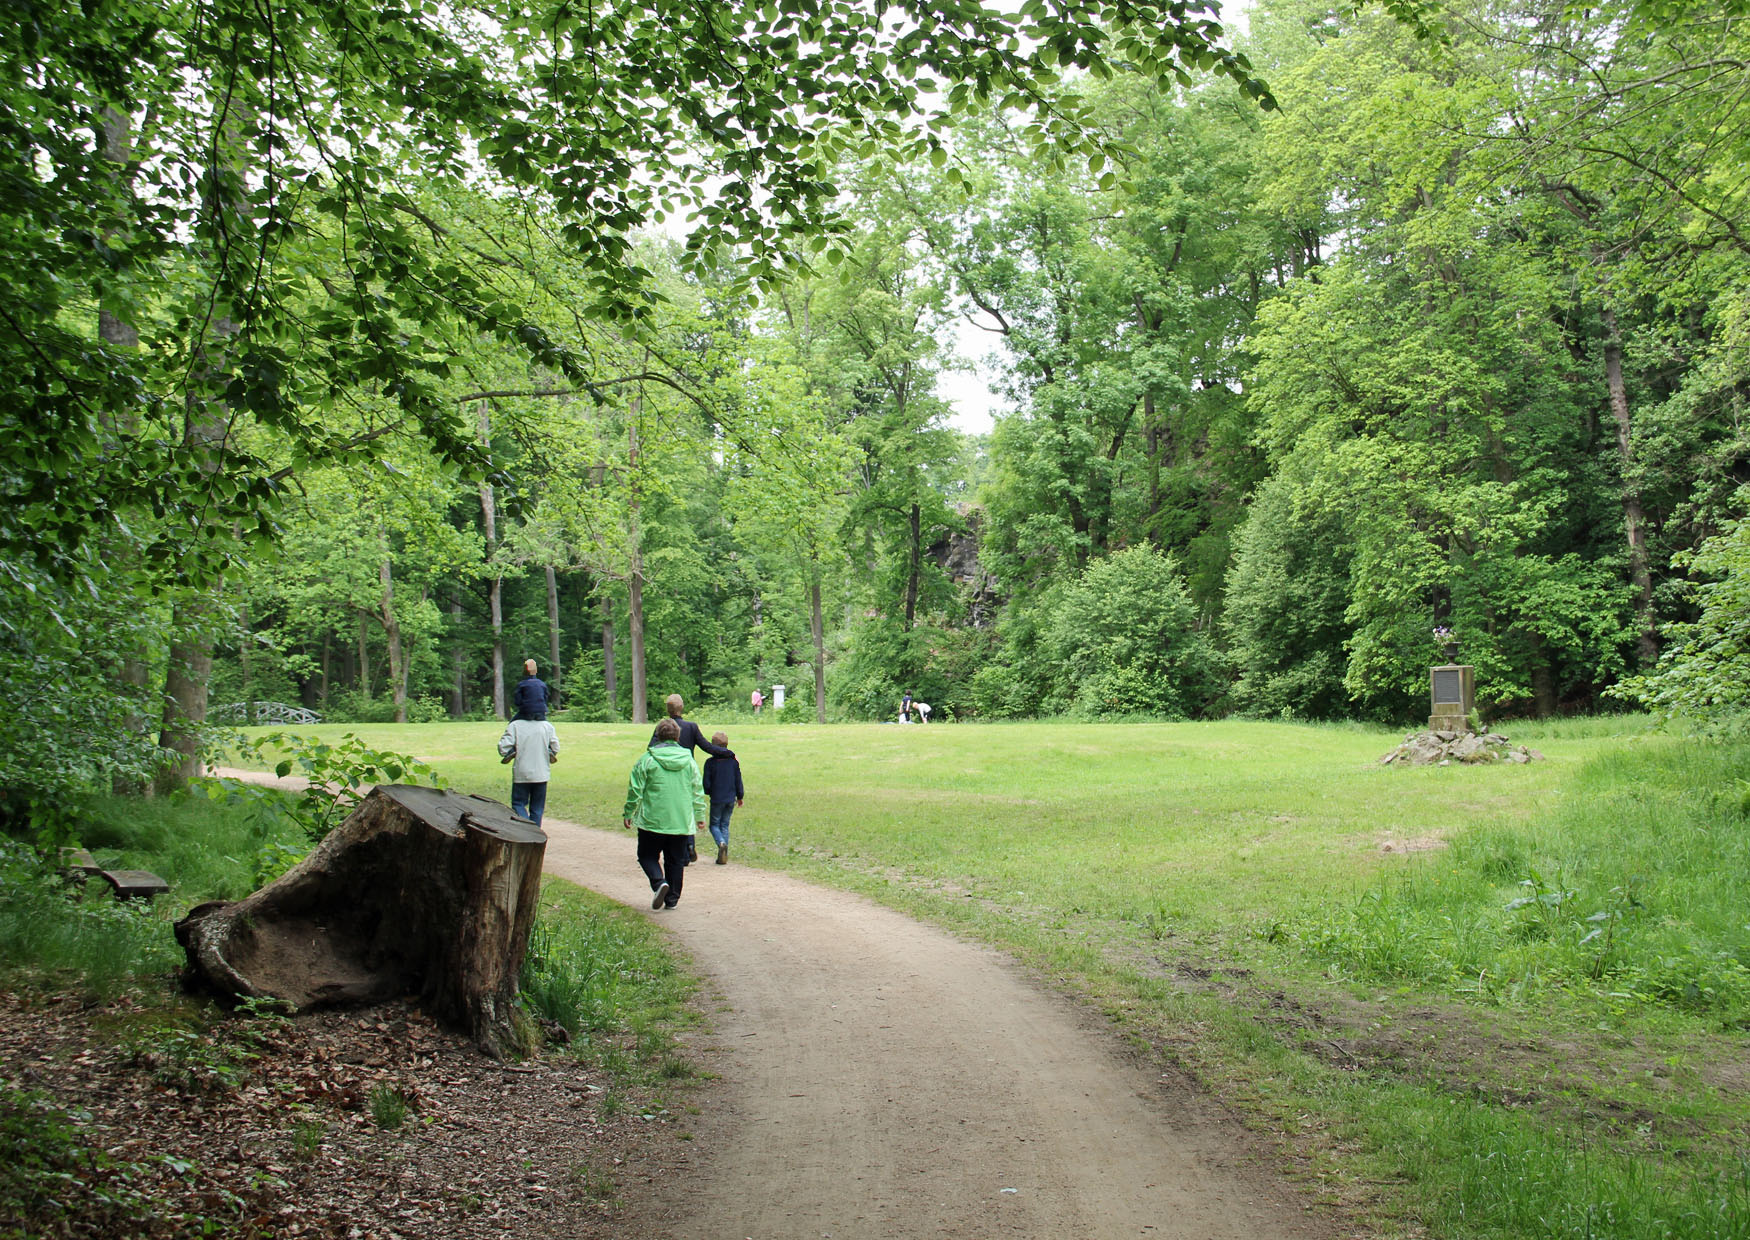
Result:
668,797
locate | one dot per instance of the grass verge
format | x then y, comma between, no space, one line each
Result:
1472,1001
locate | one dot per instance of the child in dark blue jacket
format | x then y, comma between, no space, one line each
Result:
723,788
531,695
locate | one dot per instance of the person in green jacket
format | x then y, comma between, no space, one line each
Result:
666,798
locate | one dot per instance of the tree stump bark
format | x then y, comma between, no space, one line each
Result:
419,891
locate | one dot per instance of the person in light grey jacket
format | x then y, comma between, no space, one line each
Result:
533,746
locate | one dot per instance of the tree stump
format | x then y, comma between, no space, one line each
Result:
419,891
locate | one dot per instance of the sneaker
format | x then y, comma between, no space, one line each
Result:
692,853
722,854
660,898
672,902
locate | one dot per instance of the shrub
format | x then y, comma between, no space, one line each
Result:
1704,671
1128,640
1287,589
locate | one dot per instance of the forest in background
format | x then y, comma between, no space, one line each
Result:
356,389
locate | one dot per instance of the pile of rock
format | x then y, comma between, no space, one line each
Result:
1443,748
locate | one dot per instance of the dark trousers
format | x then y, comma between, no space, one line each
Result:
529,801
664,859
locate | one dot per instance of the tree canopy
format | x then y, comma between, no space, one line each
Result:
353,354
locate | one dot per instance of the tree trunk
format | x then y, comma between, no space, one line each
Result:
817,629
392,635
495,585
327,657
1543,686
495,609
458,666
1634,521
915,567
554,675
245,639
419,891
186,678
133,672
635,577
364,657
610,682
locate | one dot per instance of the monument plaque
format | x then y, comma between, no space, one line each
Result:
1451,694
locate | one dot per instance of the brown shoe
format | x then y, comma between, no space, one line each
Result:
722,854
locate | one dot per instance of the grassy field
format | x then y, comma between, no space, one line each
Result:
1473,1001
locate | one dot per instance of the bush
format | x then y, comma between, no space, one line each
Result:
1128,640
349,706
70,727
1704,672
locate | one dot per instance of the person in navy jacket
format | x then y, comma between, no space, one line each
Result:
723,789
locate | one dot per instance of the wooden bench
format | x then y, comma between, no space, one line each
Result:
78,864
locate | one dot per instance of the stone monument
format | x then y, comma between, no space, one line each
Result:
1451,695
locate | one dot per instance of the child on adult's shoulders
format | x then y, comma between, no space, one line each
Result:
530,698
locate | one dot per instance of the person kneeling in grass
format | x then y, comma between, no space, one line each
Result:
666,798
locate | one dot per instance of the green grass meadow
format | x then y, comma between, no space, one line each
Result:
1496,1001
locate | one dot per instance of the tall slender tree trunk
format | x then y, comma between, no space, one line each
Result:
495,584
364,656
245,639
458,665
635,572
817,630
1633,518
555,675
392,633
327,655
187,675
914,569
191,653
610,682
1153,440
133,672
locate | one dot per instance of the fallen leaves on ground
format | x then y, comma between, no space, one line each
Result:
373,1124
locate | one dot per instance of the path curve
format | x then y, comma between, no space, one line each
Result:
884,1079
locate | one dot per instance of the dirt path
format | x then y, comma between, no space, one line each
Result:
881,1078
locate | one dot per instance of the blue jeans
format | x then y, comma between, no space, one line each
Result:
719,822
528,801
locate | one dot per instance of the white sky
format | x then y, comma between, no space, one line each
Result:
973,405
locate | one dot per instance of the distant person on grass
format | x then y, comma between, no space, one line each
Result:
723,787
905,707
757,699
531,694
533,746
666,798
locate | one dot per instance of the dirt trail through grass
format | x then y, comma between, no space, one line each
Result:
881,1078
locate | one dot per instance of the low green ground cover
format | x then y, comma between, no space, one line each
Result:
1488,1001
